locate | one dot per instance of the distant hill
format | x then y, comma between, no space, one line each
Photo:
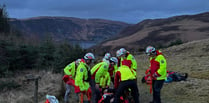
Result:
160,32
69,28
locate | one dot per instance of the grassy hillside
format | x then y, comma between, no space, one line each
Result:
160,32
191,58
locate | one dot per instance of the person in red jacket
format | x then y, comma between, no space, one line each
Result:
124,80
157,71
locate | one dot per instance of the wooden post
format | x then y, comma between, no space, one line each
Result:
31,77
36,91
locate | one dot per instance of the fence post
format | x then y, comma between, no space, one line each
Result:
31,77
36,91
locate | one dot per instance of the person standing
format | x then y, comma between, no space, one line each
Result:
123,54
97,72
82,75
69,78
124,80
157,71
113,68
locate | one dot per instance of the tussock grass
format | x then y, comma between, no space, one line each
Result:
48,84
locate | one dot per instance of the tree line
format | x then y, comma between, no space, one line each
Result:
20,53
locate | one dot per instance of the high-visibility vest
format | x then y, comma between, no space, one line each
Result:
126,73
99,70
82,76
158,65
134,63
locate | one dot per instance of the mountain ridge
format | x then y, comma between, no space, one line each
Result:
160,32
70,28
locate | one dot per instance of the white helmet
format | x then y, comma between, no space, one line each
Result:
118,53
114,59
89,56
107,56
52,99
150,50
77,61
123,51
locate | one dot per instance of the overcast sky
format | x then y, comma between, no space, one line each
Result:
130,11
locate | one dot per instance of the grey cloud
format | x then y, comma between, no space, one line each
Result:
131,11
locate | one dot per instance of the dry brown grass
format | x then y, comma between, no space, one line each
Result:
48,84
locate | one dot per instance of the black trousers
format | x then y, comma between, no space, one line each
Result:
156,87
95,92
124,85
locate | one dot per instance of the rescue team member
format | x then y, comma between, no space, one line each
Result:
125,79
69,78
123,54
82,75
105,80
157,71
106,57
113,67
118,54
97,72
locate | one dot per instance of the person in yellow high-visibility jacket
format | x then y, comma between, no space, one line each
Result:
70,69
123,54
97,72
69,78
124,80
82,74
158,71
106,57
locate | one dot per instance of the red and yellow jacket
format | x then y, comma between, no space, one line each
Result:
99,70
158,67
82,76
124,73
133,64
